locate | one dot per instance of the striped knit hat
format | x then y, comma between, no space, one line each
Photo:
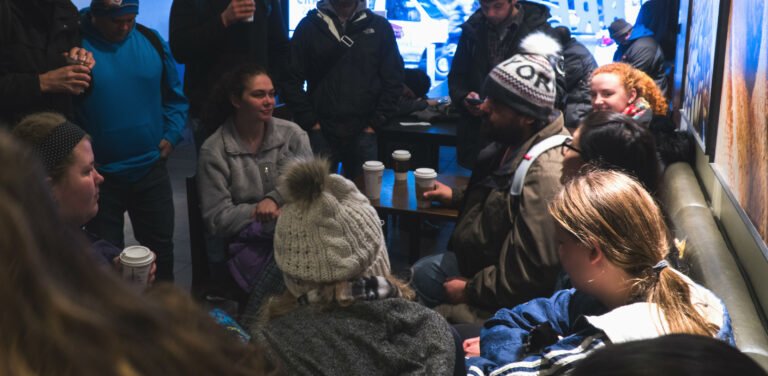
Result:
526,82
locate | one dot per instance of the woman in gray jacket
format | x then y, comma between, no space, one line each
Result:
238,169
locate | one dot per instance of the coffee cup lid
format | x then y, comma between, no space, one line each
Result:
401,155
136,255
425,173
373,166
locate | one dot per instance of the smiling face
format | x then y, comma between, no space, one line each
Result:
77,192
257,100
608,93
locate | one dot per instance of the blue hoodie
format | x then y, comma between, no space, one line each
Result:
125,111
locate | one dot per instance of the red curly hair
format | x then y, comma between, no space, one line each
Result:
636,79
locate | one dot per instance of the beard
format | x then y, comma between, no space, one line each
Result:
506,134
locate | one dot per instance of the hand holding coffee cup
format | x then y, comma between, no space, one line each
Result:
401,160
373,173
238,11
442,193
425,181
138,264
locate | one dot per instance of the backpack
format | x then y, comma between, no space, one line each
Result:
518,179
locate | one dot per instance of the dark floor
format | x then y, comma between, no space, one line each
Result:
182,163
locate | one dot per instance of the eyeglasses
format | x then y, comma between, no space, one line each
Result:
568,144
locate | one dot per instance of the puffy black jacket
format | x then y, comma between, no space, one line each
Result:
348,88
34,34
579,64
471,62
199,40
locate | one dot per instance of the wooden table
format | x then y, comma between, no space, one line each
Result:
425,140
399,198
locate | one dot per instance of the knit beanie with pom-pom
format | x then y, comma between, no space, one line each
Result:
327,231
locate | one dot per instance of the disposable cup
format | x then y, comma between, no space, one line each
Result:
137,261
425,181
401,160
373,172
249,19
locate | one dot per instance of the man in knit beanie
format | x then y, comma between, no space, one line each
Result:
502,251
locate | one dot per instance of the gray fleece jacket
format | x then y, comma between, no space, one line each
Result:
231,181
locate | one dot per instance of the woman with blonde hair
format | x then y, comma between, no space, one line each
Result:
66,317
613,244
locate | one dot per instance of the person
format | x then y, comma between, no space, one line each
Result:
343,312
502,251
660,17
135,113
579,64
212,37
638,48
353,70
622,88
611,140
489,36
674,354
238,169
612,242
73,319
42,65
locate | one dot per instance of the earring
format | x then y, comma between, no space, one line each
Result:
598,275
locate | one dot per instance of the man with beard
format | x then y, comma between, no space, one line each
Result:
349,59
503,250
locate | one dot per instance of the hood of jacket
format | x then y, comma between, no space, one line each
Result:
326,7
640,31
534,15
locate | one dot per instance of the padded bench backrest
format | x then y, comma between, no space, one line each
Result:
710,261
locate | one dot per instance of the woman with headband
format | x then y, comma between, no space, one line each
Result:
612,243
66,152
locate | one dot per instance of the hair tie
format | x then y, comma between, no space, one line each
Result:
660,266
59,144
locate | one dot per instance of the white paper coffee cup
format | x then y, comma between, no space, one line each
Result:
425,181
137,261
250,19
373,172
401,163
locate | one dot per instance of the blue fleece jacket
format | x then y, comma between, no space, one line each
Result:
582,325
125,111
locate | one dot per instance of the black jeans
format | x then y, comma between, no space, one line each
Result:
149,203
351,152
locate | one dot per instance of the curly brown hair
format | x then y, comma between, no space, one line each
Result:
633,78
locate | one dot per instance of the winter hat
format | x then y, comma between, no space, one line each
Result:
619,27
327,231
526,82
114,8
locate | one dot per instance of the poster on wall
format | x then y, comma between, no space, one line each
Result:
698,90
741,156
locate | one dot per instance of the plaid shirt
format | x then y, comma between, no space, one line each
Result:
500,46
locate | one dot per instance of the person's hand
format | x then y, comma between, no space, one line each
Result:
71,79
442,193
118,266
238,11
316,127
165,149
81,56
454,290
472,347
432,102
474,109
369,130
266,210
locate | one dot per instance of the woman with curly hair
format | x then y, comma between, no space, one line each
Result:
621,88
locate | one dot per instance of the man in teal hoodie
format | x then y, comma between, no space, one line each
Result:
135,113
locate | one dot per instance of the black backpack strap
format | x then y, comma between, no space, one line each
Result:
155,41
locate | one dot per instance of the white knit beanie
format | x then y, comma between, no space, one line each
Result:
327,231
527,82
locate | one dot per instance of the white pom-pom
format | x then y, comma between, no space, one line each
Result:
540,44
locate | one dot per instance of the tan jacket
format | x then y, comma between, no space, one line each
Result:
506,245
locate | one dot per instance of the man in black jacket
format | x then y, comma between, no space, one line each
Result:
41,65
212,37
579,64
638,49
489,36
354,72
